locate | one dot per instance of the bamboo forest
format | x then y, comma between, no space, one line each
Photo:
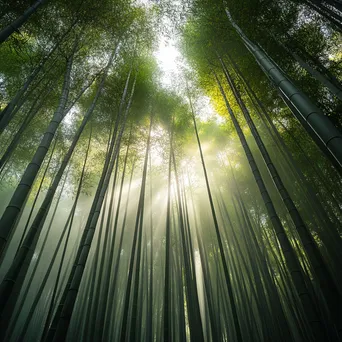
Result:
171,170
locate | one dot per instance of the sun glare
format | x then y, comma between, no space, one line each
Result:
167,57
143,2
205,110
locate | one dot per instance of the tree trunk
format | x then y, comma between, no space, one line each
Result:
326,13
16,24
293,265
14,105
194,315
63,320
101,313
109,317
218,235
136,248
149,323
54,293
167,265
313,119
14,320
12,211
325,279
330,236
22,260
334,90
37,195
35,108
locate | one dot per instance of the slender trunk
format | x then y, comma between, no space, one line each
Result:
136,248
218,235
20,97
194,315
110,147
54,293
100,320
312,118
149,323
95,272
327,4
167,265
76,276
117,261
181,322
98,299
318,331
21,262
325,279
234,244
314,60
35,108
37,195
16,24
138,245
334,90
29,282
326,13
42,213
12,211
335,3
215,332
66,229
287,154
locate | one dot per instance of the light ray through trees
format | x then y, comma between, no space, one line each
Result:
162,176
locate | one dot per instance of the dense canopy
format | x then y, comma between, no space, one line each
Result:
171,170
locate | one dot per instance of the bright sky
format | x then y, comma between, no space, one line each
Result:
142,2
168,58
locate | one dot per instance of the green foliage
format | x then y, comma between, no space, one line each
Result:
245,239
